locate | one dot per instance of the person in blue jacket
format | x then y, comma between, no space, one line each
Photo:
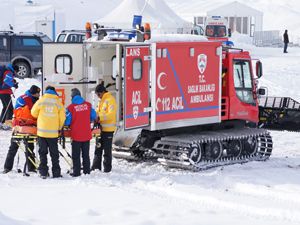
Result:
7,82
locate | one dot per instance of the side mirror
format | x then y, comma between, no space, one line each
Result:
259,69
229,32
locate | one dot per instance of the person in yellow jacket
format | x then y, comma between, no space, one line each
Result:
50,114
107,112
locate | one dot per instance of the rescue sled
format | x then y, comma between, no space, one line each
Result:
279,113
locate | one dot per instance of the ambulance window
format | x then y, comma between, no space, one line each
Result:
63,64
137,69
209,31
158,53
115,67
192,52
243,81
164,55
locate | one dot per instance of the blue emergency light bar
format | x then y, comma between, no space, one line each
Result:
122,35
228,43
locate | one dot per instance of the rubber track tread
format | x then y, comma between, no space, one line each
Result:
264,149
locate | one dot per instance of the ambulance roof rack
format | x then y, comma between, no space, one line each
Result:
107,29
226,48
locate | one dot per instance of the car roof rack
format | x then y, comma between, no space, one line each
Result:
80,31
6,31
32,33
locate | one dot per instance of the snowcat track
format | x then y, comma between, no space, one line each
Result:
128,154
175,149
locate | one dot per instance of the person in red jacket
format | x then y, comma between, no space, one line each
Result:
7,82
79,116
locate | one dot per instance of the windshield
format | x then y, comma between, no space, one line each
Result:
61,38
215,31
243,81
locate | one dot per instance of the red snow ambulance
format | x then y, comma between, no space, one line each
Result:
182,100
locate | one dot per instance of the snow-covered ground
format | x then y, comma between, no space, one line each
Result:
265,193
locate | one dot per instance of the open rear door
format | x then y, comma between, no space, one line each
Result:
63,68
136,98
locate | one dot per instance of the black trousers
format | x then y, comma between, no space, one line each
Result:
105,150
84,148
45,145
12,151
285,47
7,109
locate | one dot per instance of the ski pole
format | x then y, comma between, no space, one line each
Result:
63,138
67,161
18,160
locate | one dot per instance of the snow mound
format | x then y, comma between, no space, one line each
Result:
5,220
238,38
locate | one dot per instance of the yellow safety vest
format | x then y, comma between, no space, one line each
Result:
50,115
107,112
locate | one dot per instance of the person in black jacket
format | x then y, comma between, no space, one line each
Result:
285,41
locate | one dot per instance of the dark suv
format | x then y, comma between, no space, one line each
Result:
24,50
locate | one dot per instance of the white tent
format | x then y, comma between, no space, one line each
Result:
156,12
27,15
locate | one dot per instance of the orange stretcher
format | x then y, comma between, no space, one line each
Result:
28,134
32,130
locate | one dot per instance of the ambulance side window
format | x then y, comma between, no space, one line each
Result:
115,67
243,81
137,69
63,64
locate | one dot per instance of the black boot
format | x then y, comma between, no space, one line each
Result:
5,171
96,163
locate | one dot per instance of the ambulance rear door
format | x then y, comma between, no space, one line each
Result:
137,94
63,68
